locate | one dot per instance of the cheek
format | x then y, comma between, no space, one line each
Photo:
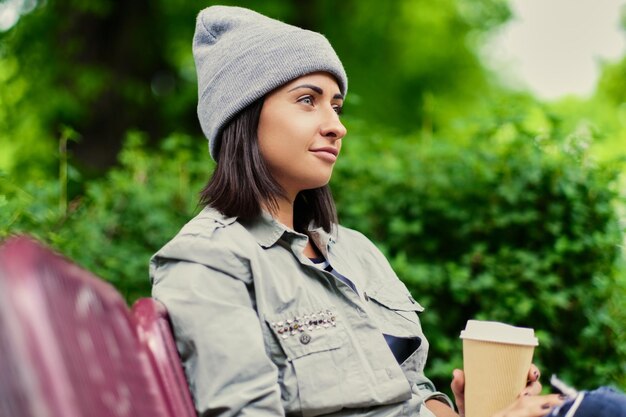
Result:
280,139
275,148
266,133
273,154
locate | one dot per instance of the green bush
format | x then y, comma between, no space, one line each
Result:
508,228
115,223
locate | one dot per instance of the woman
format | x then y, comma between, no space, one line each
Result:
278,310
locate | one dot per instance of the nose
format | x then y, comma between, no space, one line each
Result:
332,127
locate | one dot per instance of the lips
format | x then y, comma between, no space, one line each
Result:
328,149
327,153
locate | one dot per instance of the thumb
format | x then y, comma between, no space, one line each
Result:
458,389
458,381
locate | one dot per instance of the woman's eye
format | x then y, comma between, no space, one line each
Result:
338,109
306,100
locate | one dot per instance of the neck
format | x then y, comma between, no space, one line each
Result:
283,212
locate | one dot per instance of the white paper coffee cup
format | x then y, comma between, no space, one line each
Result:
496,360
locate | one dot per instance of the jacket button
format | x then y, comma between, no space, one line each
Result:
305,338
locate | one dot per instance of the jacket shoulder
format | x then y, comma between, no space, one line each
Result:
355,239
368,254
210,239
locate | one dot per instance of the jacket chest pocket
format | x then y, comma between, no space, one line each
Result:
311,341
395,310
396,314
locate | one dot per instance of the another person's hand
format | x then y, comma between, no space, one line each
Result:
533,387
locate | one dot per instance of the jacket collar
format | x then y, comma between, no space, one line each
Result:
267,230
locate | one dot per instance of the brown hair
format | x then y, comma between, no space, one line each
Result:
242,181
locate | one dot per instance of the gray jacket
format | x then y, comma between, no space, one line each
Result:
263,332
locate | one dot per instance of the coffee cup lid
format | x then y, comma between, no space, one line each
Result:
493,331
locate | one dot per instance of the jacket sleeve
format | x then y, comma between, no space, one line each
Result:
426,390
219,337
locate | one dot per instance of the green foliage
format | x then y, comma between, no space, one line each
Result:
508,228
120,220
612,84
79,63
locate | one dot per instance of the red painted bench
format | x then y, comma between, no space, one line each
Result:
71,347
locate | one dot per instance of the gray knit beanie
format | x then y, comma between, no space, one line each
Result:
242,55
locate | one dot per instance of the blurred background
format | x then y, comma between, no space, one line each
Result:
486,152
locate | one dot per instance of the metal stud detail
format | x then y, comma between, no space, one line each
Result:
318,320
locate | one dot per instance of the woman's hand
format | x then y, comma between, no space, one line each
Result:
533,387
531,406
458,389
530,403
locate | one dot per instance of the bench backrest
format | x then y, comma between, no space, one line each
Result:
70,347
155,333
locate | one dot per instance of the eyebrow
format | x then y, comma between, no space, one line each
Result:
316,89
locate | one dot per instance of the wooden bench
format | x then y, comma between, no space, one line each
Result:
71,347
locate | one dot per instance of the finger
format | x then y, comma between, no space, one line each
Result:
533,388
458,381
535,406
533,373
458,389
547,403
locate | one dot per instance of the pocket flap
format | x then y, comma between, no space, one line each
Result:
304,333
395,298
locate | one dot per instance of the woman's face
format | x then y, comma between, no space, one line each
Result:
300,132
